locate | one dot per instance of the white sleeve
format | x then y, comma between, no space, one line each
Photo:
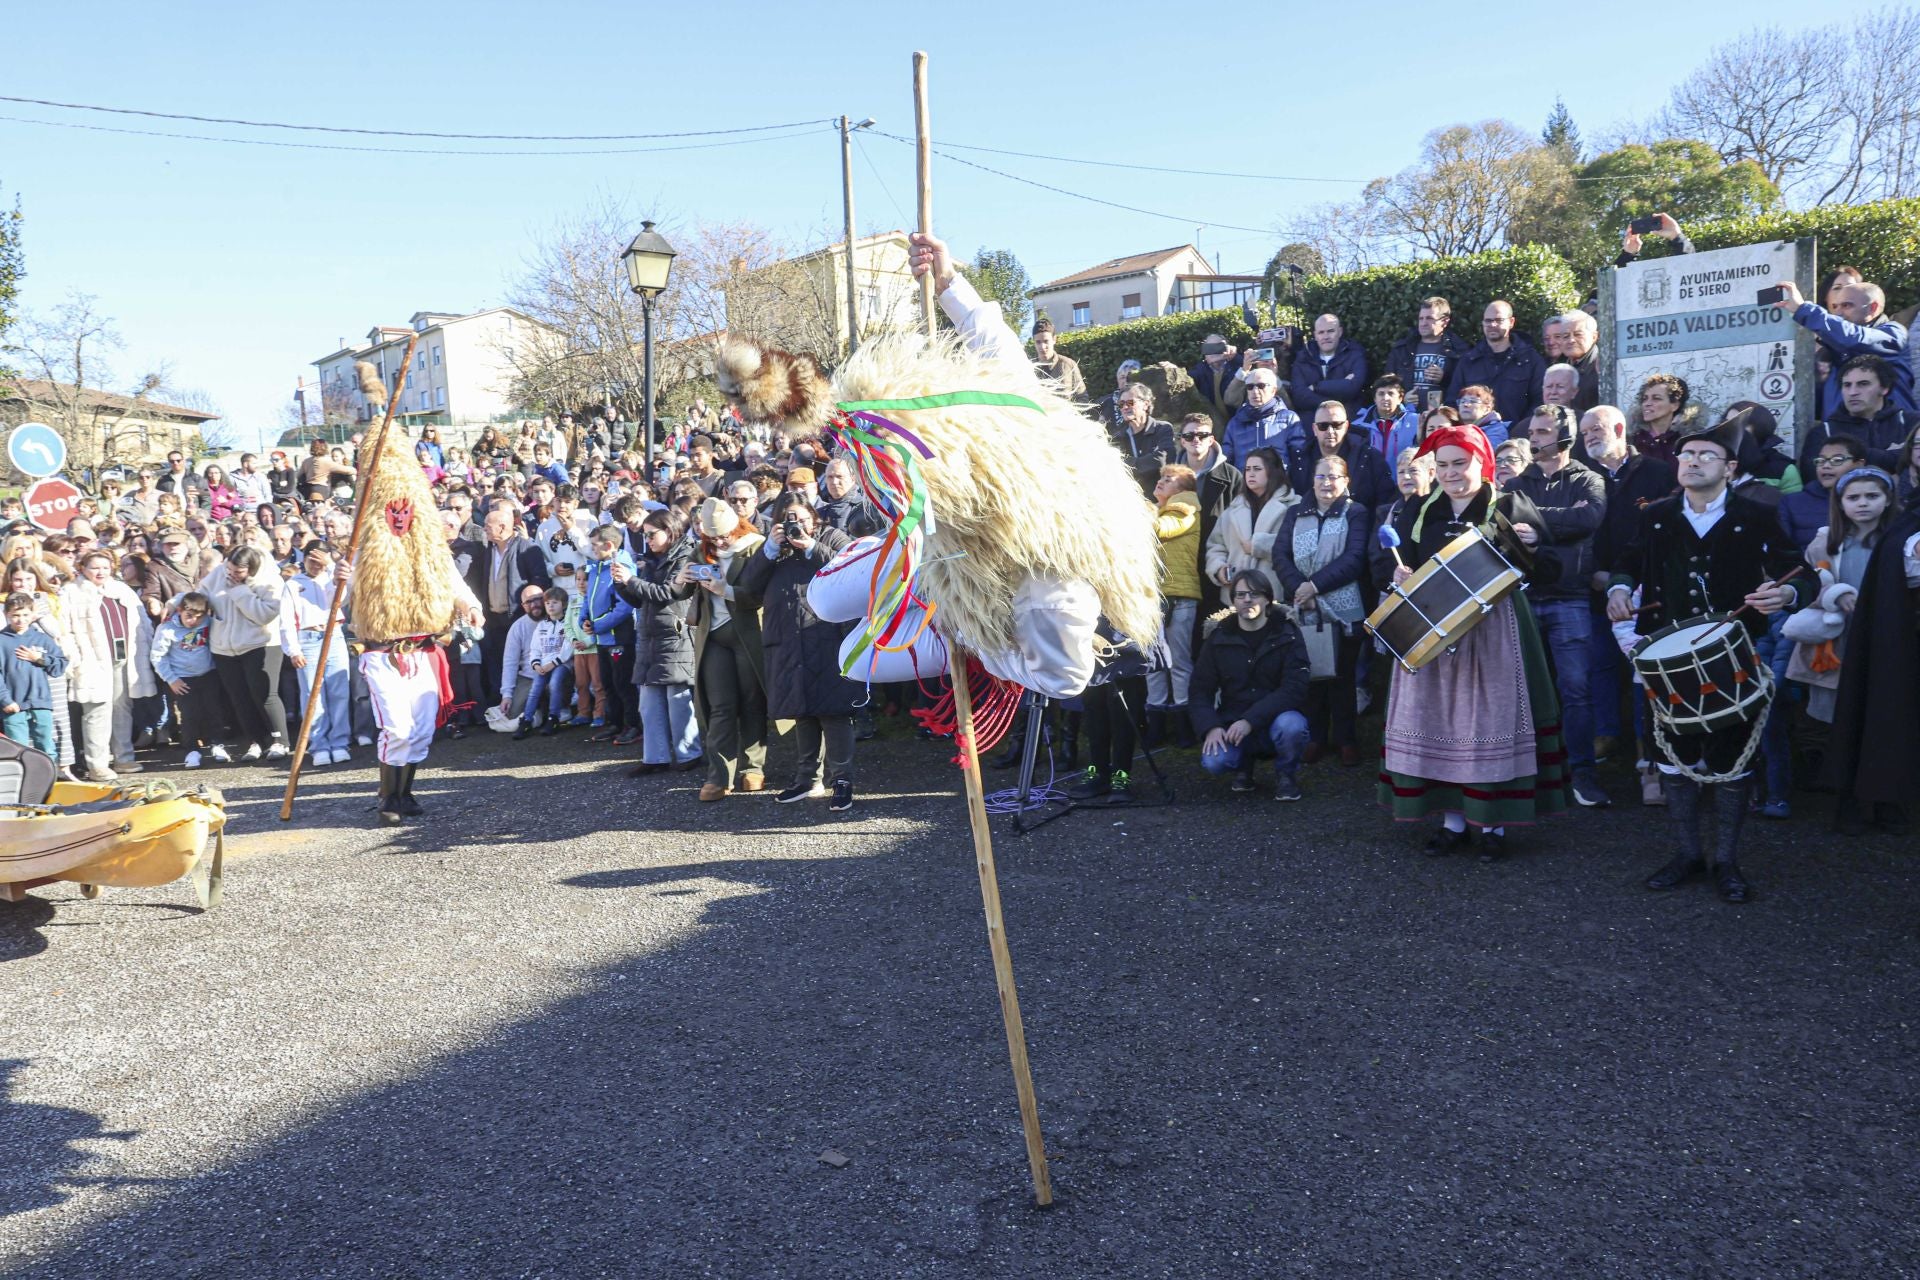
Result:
981,324
514,660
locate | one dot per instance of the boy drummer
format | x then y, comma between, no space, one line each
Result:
1707,549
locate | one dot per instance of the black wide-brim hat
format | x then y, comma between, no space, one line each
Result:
1727,433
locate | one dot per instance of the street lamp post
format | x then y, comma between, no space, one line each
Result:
649,262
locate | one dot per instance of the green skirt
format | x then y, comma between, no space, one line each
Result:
1542,791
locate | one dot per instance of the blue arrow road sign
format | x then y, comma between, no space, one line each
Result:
37,449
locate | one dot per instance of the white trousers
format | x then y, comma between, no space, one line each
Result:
406,707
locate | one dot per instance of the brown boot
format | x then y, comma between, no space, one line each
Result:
752,781
710,791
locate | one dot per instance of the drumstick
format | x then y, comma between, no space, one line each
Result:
1390,539
1778,582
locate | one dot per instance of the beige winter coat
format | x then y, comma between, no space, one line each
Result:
90,651
1239,542
245,616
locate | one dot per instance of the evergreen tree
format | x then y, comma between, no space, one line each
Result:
1561,133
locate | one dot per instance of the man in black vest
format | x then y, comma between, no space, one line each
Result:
1708,550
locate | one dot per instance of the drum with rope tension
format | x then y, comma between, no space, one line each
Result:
1702,674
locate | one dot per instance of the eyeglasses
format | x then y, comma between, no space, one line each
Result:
1250,595
1840,461
1196,435
1700,455
1329,426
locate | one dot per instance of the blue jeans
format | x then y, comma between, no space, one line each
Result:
549,693
332,717
666,718
31,727
1566,627
1776,748
1604,663
1288,736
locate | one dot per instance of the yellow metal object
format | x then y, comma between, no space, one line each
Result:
120,835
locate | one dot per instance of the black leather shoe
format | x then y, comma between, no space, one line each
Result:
1493,846
1443,842
520,734
642,769
1731,884
1675,873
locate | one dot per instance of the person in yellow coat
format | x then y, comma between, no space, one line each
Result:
1177,522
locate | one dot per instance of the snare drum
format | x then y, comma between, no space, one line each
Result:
1702,674
1444,599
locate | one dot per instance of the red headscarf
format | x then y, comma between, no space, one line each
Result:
1470,438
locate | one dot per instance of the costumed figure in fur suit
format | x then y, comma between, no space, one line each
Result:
1015,565
405,595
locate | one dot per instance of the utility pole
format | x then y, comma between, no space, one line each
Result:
846,186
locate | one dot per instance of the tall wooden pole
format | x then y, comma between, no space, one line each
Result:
339,588
970,755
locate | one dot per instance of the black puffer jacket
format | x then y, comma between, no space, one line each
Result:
803,652
662,636
1252,675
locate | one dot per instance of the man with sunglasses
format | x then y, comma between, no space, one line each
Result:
1218,480
1369,480
1263,419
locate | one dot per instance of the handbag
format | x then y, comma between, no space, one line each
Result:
1323,645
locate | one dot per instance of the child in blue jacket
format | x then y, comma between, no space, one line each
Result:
28,658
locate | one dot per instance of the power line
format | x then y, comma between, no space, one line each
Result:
408,133
905,221
1077,195
418,151
1222,173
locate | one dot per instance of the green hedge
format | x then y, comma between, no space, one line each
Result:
1380,305
1882,239
1176,337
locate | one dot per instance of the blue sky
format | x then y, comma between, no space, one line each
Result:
240,264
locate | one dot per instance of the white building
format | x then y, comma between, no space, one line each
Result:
1139,285
462,367
804,298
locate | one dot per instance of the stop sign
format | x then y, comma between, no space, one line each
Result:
51,504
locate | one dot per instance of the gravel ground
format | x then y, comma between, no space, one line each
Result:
573,1026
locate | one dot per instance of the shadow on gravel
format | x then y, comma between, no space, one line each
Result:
20,925
40,1147
1257,1052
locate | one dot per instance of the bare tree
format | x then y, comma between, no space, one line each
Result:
1346,237
728,277
1829,114
1462,196
64,357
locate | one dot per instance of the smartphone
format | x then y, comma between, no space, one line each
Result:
1644,226
1263,353
701,573
1772,297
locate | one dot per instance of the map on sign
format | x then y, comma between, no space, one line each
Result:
1697,316
36,449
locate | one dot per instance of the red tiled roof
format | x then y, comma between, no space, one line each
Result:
1133,264
38,391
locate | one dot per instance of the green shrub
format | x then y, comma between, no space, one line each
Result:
1176,337
1380,305
1882,239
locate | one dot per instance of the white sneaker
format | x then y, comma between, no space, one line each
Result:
193,760
362,740
252,752
341,756
220,753
103,775
278,751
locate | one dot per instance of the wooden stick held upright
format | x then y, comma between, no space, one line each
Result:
970,756
333,607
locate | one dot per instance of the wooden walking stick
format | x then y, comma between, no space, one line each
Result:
970,756
339,588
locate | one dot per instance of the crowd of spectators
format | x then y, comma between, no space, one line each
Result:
662,611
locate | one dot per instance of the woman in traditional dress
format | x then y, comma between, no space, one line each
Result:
1475,734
